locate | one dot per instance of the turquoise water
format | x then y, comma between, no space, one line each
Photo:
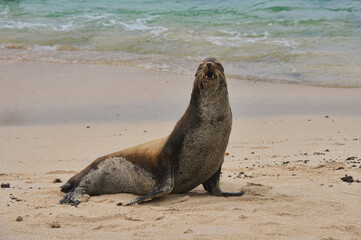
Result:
305,42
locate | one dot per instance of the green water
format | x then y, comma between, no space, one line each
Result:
305,42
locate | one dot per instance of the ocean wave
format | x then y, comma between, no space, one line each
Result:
31,26
244,40
63,24
22,46
140,24
304,72
11,24
64,27
285,43
5,11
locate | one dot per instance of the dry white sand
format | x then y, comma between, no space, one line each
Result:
284,151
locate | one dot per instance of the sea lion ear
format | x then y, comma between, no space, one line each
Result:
199,68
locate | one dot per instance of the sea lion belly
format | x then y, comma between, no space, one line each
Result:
201,156
116,175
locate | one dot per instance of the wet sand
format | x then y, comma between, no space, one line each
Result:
289,148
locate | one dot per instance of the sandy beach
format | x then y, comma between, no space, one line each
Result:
289,148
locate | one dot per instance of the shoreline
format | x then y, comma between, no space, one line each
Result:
61,54
53,93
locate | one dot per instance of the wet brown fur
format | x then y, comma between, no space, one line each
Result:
144,155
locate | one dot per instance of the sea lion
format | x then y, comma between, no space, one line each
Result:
191,155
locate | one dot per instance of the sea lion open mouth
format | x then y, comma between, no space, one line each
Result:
210,69
210,75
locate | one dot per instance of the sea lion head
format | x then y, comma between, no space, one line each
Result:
210,75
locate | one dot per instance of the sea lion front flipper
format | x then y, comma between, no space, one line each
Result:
73,197
212,186
163,186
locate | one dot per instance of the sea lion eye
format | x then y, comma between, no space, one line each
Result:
220,66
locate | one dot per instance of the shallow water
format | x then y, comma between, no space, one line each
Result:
306,42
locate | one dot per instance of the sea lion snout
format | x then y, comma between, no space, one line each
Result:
209,74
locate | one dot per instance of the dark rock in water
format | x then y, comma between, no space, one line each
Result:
348,179
5,185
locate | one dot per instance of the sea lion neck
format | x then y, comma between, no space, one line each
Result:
219,95
208,107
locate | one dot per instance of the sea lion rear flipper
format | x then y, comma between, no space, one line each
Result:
163,186
212,186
